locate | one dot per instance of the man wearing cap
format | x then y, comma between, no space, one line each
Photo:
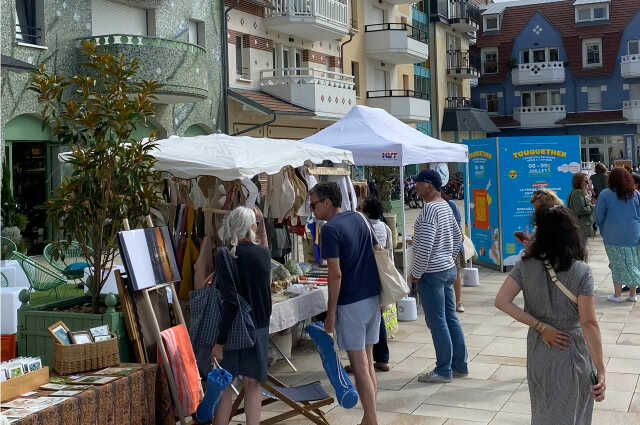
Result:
436,240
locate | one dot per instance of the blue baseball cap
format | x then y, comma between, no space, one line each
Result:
430,176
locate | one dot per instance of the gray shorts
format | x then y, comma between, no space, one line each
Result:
358,324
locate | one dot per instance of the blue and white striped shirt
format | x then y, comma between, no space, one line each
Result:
436,238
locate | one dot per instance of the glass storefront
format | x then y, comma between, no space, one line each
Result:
605,149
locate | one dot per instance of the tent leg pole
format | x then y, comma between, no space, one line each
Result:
404,227
467,200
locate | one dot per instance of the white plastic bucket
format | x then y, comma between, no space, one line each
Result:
470,276
407,309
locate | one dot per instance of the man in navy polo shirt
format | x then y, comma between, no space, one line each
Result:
354,289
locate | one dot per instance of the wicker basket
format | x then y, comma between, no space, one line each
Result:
68,359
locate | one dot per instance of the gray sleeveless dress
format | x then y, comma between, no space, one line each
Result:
559,380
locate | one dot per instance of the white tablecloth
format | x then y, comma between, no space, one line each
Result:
286,314
9,304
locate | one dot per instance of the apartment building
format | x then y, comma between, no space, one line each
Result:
564,67
296,66
454,69
177,43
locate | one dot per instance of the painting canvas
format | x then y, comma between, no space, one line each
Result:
148,256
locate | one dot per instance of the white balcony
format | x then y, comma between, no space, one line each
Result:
630,66
314,20
405,105
328,94
461,65
631,110
539,116
464,16
538,73
396,43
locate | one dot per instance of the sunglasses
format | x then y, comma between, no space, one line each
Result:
313,204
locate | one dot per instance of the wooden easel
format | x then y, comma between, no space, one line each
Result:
133,328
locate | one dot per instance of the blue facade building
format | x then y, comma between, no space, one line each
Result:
552,67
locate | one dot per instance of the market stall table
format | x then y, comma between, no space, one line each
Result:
288,313
131,399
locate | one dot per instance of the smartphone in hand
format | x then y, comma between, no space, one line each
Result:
594,378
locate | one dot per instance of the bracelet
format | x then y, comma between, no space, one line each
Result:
539,326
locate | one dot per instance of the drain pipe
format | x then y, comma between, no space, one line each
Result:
225,62
257,126
351,34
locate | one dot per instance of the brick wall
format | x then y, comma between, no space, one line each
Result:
245,6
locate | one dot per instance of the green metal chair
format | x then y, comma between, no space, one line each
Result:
40,277
68,259
4,282
8,248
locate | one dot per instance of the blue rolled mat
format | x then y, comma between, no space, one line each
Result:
345,392
217,381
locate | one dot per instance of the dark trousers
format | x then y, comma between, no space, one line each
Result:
381,349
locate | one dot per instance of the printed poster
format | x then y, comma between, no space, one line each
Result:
483,180
526,165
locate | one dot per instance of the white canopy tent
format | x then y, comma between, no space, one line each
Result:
376,138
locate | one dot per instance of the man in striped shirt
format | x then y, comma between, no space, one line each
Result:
436,241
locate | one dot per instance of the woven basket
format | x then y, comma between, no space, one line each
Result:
68,359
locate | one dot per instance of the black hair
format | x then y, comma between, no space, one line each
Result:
372,207
559,238
328,190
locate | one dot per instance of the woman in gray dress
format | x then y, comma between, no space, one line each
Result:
563,344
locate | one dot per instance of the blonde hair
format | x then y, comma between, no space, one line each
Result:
236,226
547,198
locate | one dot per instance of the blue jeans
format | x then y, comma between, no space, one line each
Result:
439,307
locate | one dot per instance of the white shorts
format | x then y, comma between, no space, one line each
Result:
358,324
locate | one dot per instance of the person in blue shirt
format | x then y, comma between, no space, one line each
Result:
618,217
354,288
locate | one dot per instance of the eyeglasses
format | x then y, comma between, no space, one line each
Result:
313,204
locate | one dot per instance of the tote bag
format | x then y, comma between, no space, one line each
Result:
392,285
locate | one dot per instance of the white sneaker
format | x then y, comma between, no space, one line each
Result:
615,299
632,299
460,308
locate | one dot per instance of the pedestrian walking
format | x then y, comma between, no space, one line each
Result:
579,204
564,341
354,289
618,217
253,283
541,198
436,242
599,179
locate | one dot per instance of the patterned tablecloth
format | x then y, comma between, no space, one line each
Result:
136,399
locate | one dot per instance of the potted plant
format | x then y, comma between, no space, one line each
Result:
95,114
384,178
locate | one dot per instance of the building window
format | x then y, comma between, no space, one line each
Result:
490,60
592,13
592,53
196,32
491,23
594,98
634,47
540,98
492,103
549,54
241,71
355,71
30,22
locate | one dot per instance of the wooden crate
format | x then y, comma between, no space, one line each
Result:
19,385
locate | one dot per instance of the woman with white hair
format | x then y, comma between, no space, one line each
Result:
253,266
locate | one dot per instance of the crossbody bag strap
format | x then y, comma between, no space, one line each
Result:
560,285
233,274
371,231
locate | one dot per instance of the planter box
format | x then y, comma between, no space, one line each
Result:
34,338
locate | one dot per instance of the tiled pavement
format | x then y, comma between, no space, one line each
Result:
496,390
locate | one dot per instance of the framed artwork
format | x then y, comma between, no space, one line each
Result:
117,371
99,331
148,257
95,380
60,332
81,337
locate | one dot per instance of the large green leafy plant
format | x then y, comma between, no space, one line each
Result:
384,177
95,114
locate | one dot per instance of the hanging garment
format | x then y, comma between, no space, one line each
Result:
280,196
261,233
189,258
299,190
349,199
197,196
252,192
203,267
183,366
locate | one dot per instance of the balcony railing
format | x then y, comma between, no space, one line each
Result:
412,32
463,10
397,93
330,10
538,73
537,109
631,110
30,35
539,116
462,59
283,76
139,40
459,102
630,66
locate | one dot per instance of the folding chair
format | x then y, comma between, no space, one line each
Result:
305,400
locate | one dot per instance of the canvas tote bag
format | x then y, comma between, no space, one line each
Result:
392,285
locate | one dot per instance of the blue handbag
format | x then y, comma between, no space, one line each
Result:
206,307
